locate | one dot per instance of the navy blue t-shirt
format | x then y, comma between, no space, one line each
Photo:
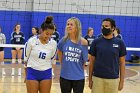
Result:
107,53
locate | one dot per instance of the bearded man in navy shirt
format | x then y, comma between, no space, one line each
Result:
107,61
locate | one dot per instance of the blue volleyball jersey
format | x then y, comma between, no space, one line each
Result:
107,53
17,38
74,56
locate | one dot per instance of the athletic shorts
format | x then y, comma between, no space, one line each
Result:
1,48
15,48
33,74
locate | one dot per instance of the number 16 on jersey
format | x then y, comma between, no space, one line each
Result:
42,55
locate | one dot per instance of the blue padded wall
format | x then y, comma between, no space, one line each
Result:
129,25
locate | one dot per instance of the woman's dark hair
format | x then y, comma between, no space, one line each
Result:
15,26
118,30
37,29
55,27
48,23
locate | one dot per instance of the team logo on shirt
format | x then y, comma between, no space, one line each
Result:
115,45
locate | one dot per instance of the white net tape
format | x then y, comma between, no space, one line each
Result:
22,46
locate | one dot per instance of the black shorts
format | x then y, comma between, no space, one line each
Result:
1,48
15,48
67,85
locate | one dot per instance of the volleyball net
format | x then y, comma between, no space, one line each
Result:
7,48
22,46
8,61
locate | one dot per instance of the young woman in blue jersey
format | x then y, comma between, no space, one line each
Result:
17,37
72,54
89,37
107,61
2,41
38,56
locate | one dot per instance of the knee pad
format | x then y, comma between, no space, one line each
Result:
13,60
19,60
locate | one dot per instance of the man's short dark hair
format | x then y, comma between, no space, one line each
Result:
113,24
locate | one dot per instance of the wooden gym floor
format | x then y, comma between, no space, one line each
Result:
15,84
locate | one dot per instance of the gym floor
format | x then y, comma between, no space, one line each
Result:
15,84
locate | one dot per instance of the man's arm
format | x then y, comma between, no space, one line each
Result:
91,66
122,72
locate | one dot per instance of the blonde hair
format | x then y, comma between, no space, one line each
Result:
89,29
78,28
